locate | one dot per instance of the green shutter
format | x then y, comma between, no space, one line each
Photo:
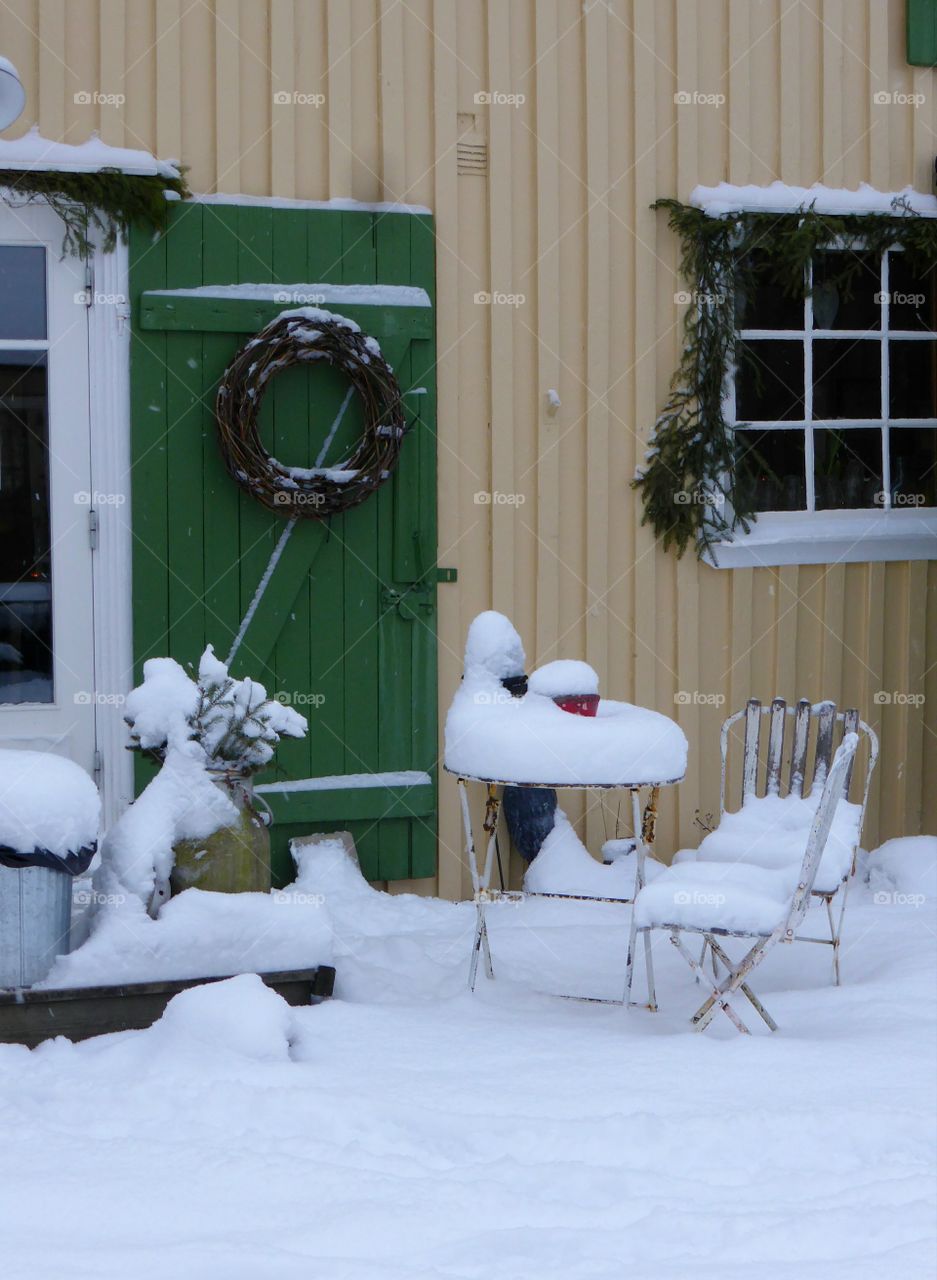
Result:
922,32
349,614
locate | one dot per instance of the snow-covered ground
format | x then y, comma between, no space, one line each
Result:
409,1129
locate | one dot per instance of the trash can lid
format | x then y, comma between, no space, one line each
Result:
48,806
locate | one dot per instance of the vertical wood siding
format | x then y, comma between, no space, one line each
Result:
561,218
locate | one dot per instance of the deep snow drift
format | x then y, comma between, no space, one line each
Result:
409,1130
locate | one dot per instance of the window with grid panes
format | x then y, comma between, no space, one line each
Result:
834,398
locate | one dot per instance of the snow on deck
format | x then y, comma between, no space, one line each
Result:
408,1130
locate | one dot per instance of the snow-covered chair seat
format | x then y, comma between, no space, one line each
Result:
769,830
745,899
717,900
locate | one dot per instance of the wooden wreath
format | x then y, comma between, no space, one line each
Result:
314,492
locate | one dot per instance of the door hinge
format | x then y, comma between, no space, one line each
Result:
97,766
89,284
93,529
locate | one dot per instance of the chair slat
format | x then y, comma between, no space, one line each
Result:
850,725
826,722
799,748
752,734
775,746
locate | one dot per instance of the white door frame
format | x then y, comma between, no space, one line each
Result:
109,382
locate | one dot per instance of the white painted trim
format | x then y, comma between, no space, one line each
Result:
830,537
109,368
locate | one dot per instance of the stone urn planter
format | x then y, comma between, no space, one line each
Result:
234,859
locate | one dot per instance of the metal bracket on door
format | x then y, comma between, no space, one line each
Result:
414,603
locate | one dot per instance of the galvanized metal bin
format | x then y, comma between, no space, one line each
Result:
35,920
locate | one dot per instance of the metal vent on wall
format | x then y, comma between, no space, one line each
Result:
472,157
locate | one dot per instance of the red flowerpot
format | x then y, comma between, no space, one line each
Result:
578,704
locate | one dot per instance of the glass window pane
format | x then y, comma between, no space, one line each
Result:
770,381
912,379
847,467
25,544
22,291
913,452
770,307
846,378
912,298
770,470
855,304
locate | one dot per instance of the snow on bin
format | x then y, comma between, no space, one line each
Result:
49,815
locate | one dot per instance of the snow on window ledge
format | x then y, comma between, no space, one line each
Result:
778,197
829,537
33,152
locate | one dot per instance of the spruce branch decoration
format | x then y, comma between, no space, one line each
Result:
108,201
687,483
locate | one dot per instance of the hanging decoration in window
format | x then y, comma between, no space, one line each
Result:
298,337
689,481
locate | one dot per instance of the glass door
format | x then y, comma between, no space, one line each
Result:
47,697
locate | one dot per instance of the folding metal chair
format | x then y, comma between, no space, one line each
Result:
730,900
762,777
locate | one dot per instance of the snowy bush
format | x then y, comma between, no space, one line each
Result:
196,729
235,723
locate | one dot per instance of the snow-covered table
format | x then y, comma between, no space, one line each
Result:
643,826
502,740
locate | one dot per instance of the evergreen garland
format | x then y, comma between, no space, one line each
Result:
108,201
689,473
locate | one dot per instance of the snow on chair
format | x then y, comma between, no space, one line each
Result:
766,831
737,900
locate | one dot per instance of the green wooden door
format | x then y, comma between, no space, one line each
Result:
346,627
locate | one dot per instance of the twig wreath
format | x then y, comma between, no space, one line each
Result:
298,337
692,448
108,201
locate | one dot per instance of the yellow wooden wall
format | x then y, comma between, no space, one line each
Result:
562,217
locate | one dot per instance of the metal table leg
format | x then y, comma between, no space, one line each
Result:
481,881
644,831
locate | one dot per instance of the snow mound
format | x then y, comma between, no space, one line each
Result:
565,865
566,675
46,802
905,866
163,707
181,803
240,1015
493,647
772,832
200,934
530,739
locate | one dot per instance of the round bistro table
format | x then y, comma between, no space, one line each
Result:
644,827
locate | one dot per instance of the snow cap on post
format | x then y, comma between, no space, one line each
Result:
493,647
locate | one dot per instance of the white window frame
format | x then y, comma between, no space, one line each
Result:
841,535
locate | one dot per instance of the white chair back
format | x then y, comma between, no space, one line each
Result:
835,788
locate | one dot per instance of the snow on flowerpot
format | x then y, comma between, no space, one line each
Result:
49,815
572,685
195,824
233,859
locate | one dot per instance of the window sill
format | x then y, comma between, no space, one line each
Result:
829,537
